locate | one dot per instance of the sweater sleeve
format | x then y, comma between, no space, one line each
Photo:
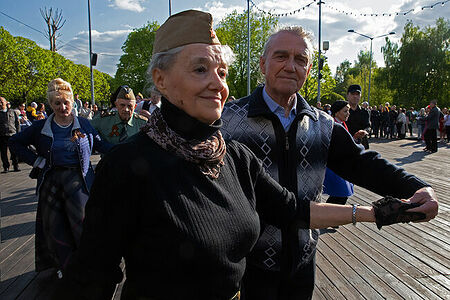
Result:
275,204
368,169
109,217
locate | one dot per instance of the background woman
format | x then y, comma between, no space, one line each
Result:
40,112
338,188
64,144
189,213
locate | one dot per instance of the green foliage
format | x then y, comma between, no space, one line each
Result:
419,70
133,64
27,69
327,84
232,31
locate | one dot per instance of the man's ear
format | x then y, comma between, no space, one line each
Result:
309,70
158,77
262,65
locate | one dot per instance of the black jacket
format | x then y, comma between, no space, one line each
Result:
9,123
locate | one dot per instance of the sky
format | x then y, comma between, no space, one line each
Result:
113,20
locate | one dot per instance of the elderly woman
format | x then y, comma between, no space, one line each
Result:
177,202
335,186
64,144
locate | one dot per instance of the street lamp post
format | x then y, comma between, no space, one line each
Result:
370,63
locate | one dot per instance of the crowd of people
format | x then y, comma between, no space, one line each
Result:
202,199
389,122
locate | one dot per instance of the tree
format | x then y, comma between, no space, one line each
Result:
133,64
54,23
27,69
419,69
230,32
309,90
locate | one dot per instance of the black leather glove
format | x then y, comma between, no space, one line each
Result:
390,210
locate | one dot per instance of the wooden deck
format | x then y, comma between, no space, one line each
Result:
399,262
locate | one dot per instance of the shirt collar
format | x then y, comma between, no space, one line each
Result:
119,120
273,106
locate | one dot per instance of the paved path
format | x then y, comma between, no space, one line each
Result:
401,261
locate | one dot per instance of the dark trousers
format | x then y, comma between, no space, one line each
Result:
410,129
337,200
4,153
375,129
259,284
447,129
430,137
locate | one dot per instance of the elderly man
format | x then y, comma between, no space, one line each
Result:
116,126
296,143
9,125
432,121
358,122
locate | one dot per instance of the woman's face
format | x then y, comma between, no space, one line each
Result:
196,82
61,105
343,114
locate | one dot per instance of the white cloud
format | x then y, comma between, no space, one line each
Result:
132,5
107,44
218,10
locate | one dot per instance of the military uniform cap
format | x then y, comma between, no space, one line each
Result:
126,93
184,28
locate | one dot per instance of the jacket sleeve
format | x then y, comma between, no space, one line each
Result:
17,121
368,169
101,145
19,143
94,270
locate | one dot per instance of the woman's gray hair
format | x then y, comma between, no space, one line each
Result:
165,60
299,31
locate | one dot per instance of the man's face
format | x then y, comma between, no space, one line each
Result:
353,98
125,108
432,104
285,65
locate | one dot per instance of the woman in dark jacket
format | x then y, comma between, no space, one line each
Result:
189,211
61,164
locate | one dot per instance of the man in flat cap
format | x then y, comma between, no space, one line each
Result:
116,126
359,120
296,143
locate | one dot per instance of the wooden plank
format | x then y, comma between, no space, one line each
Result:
361,278
346,290
323,283
398,267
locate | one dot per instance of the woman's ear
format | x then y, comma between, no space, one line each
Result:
158,77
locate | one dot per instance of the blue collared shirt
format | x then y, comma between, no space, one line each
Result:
279,110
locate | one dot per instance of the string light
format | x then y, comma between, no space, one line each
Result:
388,14
283,14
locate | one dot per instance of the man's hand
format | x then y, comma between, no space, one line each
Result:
429,204
360,134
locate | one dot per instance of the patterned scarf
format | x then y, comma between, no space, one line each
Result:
208,154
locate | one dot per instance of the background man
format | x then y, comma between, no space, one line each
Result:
77,104
432,121
9,125
296,143
117,126
358,122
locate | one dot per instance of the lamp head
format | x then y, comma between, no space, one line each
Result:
351,30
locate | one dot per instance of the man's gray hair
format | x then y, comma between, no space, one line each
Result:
165,60
299,31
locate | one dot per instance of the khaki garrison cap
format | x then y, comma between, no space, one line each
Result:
126,93
184,28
